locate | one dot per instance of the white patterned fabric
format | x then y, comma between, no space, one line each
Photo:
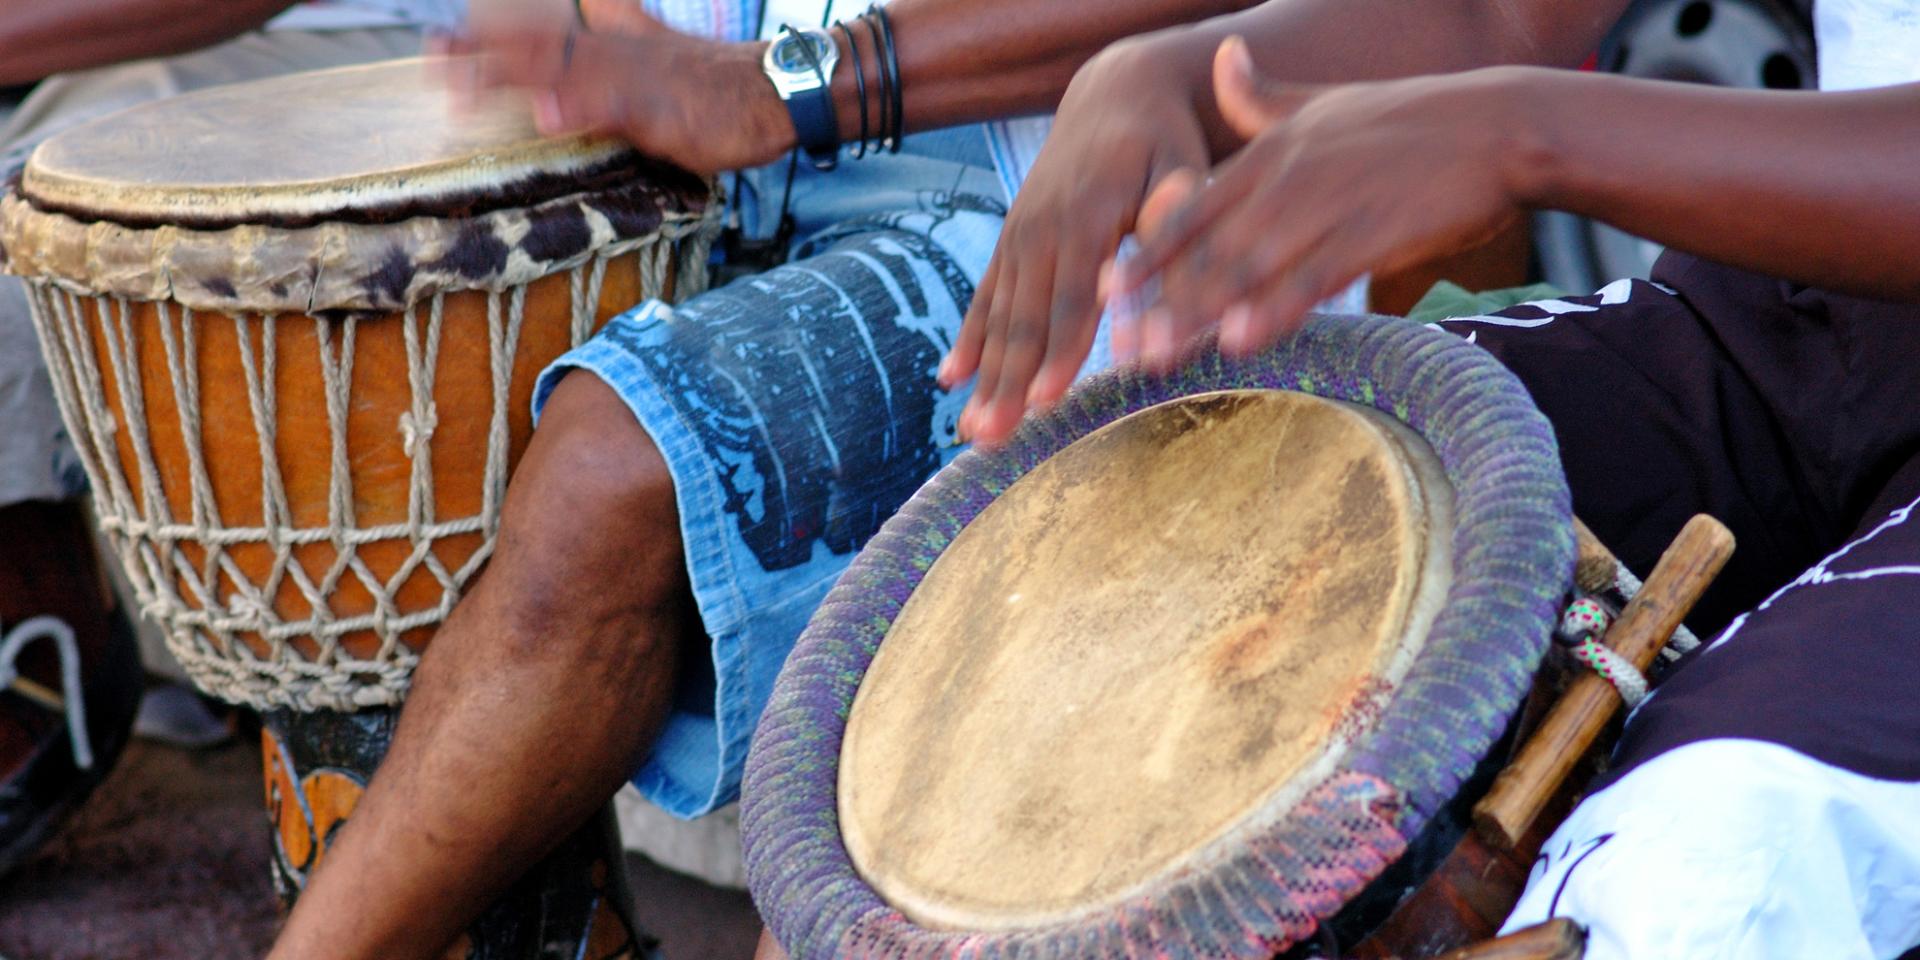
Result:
1736,850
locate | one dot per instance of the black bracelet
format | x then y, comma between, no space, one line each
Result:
886,80
893,66
859,87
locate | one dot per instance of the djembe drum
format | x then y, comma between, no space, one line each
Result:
294,327
1209,665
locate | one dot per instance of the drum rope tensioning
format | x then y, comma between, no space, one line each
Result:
125,304
1272,879
294,328
146,533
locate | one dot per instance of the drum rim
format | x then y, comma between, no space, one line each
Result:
524,170
374,243
350,266
1513,544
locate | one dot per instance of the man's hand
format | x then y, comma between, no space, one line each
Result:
1122,128
1334,182
704,105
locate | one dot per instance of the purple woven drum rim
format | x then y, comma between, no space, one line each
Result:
1256,892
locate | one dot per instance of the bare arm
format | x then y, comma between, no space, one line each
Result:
1812,187
708,106
975,60
1340,41
1335,181
44,37
1145,108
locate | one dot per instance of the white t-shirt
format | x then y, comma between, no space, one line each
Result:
360,14
1867,43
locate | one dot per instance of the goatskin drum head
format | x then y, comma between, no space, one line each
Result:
377,140
1176,621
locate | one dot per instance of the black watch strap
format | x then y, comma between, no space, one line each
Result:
816,126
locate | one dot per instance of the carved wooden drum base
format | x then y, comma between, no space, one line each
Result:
574,904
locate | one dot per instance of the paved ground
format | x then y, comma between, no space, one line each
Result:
168,861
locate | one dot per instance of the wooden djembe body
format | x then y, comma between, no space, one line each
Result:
295,327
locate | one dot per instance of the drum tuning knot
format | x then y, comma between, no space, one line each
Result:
417,430
250,608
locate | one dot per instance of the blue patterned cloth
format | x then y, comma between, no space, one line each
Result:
797,410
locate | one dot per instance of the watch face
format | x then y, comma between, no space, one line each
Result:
789,56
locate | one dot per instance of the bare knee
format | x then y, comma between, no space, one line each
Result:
590,525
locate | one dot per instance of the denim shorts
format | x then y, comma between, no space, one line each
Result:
797,409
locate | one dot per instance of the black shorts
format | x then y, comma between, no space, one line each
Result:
1792,415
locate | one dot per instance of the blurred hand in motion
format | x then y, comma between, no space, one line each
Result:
1121,130
1332,183
702,104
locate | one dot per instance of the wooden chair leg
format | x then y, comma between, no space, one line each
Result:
1553,940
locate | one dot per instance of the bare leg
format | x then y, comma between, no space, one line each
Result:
533,703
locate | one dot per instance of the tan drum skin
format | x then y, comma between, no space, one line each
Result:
1039,735
406,143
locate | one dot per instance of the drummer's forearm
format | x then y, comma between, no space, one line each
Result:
1812,188
1333,41
965,61
39,39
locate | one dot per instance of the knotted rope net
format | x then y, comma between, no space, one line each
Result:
277,640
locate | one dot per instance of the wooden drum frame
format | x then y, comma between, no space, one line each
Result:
294,327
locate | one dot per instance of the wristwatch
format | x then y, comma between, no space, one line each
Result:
800,63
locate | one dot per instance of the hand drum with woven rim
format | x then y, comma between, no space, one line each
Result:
1182,670
294,327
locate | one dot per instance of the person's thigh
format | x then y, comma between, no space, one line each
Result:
796,410
1765,801
1658,419
1779,409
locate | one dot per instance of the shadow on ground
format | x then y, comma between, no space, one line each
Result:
168,861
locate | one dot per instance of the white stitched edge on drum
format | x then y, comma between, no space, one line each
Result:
257,269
